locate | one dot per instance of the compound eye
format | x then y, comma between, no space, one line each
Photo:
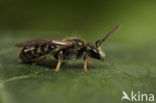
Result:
94,53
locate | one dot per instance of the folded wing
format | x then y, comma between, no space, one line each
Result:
39,42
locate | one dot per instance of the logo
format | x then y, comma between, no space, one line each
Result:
137,96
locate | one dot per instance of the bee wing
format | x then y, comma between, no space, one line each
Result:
34,42
37,42
59,42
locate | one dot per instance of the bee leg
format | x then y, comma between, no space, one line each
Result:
85,64
38,61
60,58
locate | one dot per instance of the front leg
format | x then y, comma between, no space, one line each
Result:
85,63
60,58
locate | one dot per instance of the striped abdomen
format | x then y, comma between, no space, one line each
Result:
29,53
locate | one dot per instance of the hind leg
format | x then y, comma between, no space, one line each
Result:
38,60
32,61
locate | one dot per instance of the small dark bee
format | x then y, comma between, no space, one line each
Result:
67,48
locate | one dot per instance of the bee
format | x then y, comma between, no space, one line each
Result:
65,49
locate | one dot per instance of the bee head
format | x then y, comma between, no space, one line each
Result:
95,52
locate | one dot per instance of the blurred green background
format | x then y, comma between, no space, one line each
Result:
130,53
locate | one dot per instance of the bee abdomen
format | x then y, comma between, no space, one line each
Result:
33,52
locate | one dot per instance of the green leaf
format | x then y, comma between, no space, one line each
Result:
125,68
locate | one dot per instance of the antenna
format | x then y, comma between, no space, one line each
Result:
99,42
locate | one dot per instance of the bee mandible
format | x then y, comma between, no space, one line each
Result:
65,49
